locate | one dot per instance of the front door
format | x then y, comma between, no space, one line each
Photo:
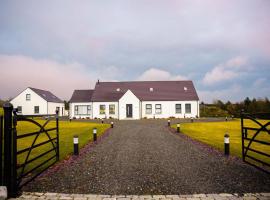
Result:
129,110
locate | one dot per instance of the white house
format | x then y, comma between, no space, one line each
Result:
34,101
136,100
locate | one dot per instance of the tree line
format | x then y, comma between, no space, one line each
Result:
219,108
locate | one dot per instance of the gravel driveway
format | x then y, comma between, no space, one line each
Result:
143,157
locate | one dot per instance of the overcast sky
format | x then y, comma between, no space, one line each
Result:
223,46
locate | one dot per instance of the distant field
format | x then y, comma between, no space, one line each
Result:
212,133
66,132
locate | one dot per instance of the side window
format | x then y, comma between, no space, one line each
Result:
188,108
36,109
101,109
76,110
28,97
148,109
158,108
112,109
178,108
88,109
19,109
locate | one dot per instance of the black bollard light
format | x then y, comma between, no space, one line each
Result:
178,127
102,121
169,122
95,134
76,145
111,124
226,119
226,144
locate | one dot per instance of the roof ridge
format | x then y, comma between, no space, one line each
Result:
143,81
51,98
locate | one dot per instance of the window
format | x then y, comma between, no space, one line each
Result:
28,97
88,109
57,109
158,108
102,109
188,108
82,110
178,108
112,109
19,109
36,109
148,109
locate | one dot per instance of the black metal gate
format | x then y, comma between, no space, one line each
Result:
256,133
22,161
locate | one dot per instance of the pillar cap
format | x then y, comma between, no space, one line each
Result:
8,105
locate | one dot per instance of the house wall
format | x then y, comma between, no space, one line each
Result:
28,106
168,109
72,110
96,111
52,108
129,98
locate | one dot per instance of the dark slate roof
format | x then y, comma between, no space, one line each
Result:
47,95
162,90
81,96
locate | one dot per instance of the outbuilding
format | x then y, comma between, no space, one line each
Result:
33,101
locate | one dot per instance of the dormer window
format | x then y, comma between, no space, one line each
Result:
118,89
28,97
185,88
151,89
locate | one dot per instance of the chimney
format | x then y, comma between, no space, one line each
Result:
98,81
151,89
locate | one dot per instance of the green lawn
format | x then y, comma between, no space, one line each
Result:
212,133
66,132
1,111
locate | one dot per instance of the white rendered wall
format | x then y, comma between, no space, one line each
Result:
129,98
96,113
52,108
28,106
168,109
72,109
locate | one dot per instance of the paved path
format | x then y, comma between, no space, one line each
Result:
222,196
143,157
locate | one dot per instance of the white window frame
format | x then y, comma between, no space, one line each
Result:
188,112
102,105
35,109
19,110
149,109
28,97
158,110
177,109
76,109
112,106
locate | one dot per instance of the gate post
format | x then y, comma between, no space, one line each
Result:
57,135
9,153
1,149
242,134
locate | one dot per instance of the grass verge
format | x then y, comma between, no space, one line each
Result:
212,133
66,132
